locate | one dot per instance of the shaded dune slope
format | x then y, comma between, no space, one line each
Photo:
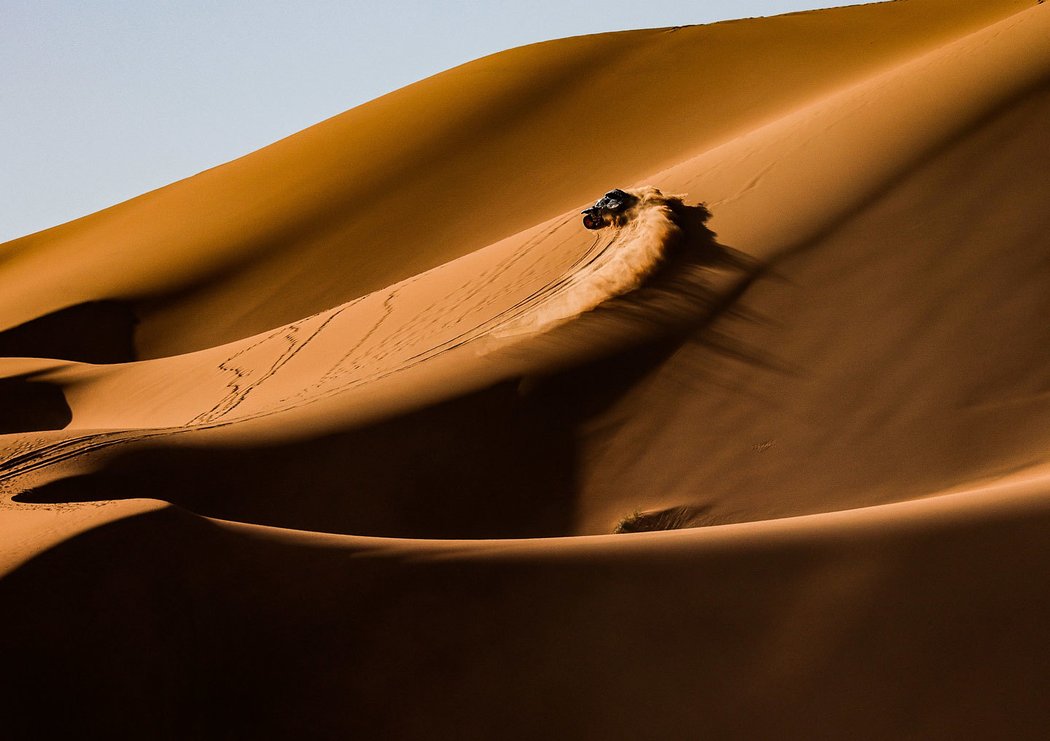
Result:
823,364
880,625
91,332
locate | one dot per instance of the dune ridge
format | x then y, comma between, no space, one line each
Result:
623,265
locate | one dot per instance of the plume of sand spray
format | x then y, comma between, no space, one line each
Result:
638,244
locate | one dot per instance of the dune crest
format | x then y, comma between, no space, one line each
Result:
638,246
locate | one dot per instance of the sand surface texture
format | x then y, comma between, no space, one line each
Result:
363,434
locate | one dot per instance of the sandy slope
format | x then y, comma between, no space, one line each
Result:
361,405
491,148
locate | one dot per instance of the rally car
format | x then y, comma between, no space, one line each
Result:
605,210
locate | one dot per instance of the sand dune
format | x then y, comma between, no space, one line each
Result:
365,433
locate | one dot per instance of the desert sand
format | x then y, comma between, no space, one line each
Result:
363,434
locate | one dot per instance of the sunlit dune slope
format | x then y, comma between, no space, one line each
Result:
446,166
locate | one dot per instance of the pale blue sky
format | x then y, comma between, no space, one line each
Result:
101,100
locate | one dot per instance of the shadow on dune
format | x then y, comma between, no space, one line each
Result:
672,518
29,406
91,332
499,463
484,465
166,626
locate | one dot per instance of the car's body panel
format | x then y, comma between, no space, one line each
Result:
605,210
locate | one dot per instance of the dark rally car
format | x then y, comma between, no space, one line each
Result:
605,210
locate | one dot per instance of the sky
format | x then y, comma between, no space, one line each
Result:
102,100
